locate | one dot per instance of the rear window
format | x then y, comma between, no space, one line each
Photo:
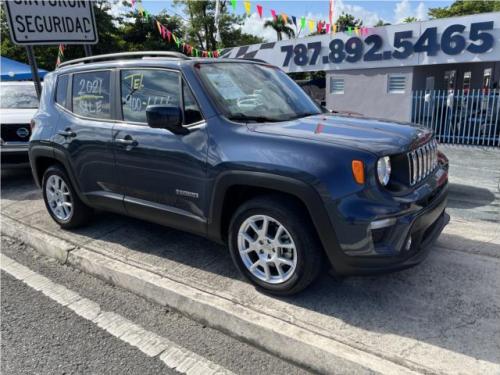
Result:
18,96
62,91
90,95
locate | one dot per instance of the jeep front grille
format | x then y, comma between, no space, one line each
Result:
422,161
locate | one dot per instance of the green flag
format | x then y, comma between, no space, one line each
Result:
233,3
303,22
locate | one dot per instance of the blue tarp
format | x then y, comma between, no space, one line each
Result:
15,71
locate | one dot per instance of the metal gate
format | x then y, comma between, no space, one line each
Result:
459,116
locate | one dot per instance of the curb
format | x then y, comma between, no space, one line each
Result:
285,340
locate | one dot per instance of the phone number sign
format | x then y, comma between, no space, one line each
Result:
461,39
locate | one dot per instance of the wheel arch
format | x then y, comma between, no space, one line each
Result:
224,202
42,157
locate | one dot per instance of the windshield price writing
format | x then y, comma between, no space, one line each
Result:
452,42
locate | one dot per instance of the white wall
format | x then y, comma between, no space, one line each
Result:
366,92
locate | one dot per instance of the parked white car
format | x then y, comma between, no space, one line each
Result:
18,105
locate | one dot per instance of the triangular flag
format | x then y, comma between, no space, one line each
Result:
356,30
273,13
303,22
285,18
233,3
176,40
133,3
311,25
334,27
247,7
259,10
320,27
169,34
328,28
158,25
294,20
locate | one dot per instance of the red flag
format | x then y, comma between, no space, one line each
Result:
273,13
169,34
328,28
320,26
259,10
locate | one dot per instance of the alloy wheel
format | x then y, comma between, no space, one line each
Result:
59,198
267,249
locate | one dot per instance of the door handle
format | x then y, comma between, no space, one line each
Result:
127,141
67,133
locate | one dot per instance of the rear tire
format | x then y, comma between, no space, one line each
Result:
273,244
61,200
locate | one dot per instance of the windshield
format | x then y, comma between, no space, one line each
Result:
247,92
18,96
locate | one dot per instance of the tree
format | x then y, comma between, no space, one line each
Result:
281,27
141,34
464,8
410,19
381,23
347,20
200,27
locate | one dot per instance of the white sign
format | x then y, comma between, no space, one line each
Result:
51,22
444,41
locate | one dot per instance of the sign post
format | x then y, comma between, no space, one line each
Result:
34,71
50,22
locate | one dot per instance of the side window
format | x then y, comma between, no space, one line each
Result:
91,94
62,90
192,112
143,87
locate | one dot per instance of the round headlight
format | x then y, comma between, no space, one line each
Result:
384,170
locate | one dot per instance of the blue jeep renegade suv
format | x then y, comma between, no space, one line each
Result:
235,151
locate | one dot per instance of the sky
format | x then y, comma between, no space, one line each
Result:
392,11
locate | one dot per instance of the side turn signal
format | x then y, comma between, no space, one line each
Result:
358,171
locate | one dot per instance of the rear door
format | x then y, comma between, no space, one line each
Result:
84,135
163,175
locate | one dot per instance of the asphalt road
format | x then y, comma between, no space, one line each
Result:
40,336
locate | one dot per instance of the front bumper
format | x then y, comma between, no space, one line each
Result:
390,252
14,155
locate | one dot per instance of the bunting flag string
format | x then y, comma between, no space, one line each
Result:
165,34
318,26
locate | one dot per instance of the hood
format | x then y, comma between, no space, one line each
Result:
16,115
377,136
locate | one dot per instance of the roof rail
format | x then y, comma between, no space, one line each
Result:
125,55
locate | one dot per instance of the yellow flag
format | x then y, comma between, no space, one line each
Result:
334,28
356,30
158,25
248,7
311,25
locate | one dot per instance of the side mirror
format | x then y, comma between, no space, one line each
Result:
165,117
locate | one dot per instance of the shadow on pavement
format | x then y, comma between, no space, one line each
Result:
467,196
18,184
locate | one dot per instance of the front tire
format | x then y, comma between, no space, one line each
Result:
273,244
61,200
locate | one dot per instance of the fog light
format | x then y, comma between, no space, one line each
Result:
408,244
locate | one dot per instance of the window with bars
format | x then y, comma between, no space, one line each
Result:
336,85
396,84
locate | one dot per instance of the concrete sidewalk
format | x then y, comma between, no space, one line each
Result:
442,316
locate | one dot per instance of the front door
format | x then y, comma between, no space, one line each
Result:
163,175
